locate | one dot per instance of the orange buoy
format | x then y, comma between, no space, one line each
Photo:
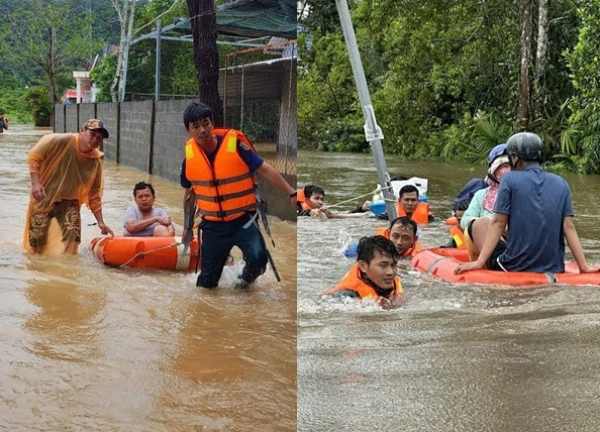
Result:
441,263
164,253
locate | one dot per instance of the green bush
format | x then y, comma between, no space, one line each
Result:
38,100
345,134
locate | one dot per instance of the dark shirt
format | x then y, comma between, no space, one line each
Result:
536,203
300,212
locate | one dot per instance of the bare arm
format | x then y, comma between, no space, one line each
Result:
104,229
186,196
134,226
189,197
332,215
575,246
276,179
37,189
495,230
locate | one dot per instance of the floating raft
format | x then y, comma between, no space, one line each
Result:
441,263
165,253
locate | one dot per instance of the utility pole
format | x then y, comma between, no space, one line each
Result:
373,132
157,68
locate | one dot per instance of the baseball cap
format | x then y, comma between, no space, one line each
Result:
95,124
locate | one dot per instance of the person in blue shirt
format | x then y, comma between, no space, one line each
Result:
537,208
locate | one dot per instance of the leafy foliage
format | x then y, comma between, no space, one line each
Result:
52,39
443,78
39,104
178,74
582,142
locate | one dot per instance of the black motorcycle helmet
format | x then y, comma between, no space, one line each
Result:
526,146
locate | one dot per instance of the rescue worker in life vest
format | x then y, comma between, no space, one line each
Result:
408,205
219,170
373,276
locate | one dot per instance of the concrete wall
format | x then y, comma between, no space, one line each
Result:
278,202
109,114
72,118
150,137
135,134
169,138
86,112
59,119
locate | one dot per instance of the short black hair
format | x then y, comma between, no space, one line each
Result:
405,222
408,189
308,190
462,205
195,112
367,246
315,190
141,186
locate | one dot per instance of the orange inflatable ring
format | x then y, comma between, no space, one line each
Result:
441,263
164,253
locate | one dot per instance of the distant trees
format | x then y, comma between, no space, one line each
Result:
49,38
442,74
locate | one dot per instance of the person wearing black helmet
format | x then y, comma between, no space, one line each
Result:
537,208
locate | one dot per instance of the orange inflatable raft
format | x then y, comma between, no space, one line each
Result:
441,263
164,253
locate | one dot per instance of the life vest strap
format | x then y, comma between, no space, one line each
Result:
223,214
213,183
220,198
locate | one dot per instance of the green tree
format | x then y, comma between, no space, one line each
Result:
584,121
432,67
49,38
39,104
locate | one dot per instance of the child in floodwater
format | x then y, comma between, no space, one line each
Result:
311,200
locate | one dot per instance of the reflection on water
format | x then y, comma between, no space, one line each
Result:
454,358
87,347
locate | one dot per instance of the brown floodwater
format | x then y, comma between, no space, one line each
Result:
85,347
455,357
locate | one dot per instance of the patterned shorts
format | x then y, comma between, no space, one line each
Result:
67,215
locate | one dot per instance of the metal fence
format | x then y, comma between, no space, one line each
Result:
258,87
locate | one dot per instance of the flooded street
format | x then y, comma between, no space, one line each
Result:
454,358
85,347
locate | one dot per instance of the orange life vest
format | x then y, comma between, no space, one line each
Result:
451,221
353,282
458,236
383,231
413,250
302,200
420,215
225,189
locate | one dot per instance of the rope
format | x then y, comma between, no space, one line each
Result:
141,254
360,196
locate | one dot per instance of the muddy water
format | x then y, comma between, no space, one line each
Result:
454,358
84,347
